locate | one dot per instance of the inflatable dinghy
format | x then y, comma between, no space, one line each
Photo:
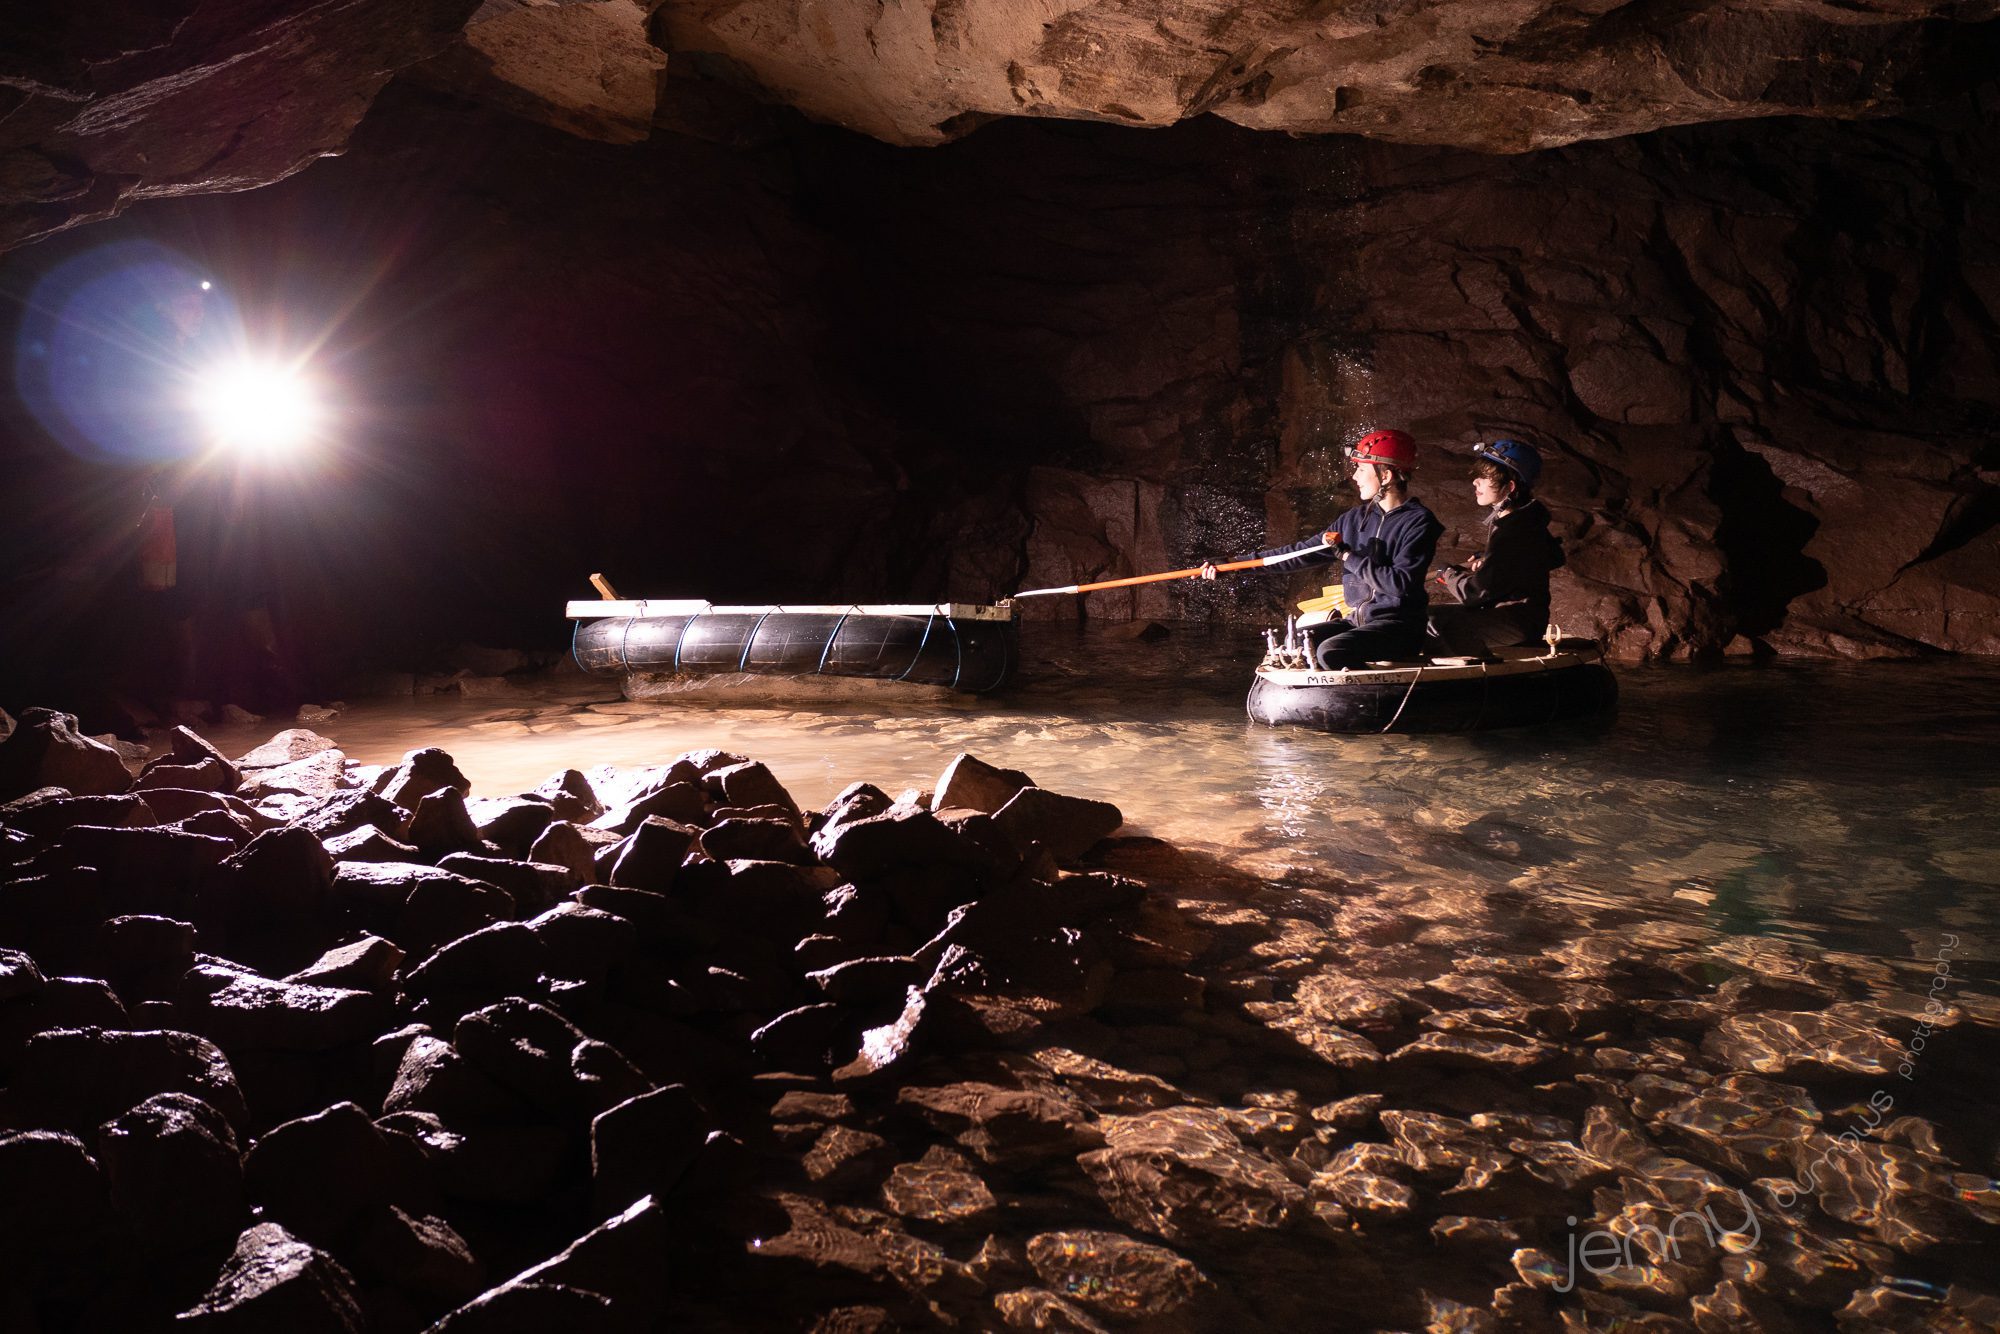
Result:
1524,687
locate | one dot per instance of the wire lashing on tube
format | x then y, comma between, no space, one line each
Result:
750,641
922,644
827,651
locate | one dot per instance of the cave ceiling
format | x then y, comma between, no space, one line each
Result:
107,102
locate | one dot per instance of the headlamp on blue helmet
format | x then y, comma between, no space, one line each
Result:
1524,461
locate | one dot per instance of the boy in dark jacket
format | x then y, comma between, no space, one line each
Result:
1503,593
1385,545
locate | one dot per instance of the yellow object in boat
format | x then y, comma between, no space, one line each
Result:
1330,599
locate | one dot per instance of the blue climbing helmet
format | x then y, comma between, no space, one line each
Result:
1524,461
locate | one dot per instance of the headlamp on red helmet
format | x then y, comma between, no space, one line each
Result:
1388,447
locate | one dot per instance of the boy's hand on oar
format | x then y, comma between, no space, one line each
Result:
1208,570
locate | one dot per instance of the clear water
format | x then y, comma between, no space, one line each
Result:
1749,869
1849,807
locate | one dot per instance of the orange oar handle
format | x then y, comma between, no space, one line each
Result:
1255,562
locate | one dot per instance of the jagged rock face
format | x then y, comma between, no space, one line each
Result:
1502,77
104,102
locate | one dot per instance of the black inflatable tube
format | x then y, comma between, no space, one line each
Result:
974,656
1405,701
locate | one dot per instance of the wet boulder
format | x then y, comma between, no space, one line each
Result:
47,812
286,747
309,781
275,1281
367,964
495,961
1038,1308
45,749
842,1159
570,797
318,1175
420,1255
1350,1002
680,803
777,901
492,1157
899,837
144,870
244,1012
770,840
351,810
584,944
369,844
643,1146
869,981
209,775
272,903
1067,826
422,773
747,784
369,885
1487,1049
565,844
651,856
533,886
442,910
172,805
19,976
174,1172
144,957
1365,1180
441,825
536,1053
969,783
856,801
510,824
433,1077
808,1038
77,1079
60,1002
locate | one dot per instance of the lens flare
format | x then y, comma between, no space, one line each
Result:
257,407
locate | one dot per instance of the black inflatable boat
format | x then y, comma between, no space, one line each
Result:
960,646
1563,680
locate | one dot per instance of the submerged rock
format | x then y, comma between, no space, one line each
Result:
1181,1173
1114,1275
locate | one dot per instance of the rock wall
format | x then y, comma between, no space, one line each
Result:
1761,357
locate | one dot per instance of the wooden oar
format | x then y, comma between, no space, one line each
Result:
1255,562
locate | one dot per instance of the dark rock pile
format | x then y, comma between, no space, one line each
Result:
291,1043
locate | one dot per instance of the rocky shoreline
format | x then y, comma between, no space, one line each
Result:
288,1042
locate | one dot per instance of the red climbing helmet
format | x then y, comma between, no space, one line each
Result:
1389,447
